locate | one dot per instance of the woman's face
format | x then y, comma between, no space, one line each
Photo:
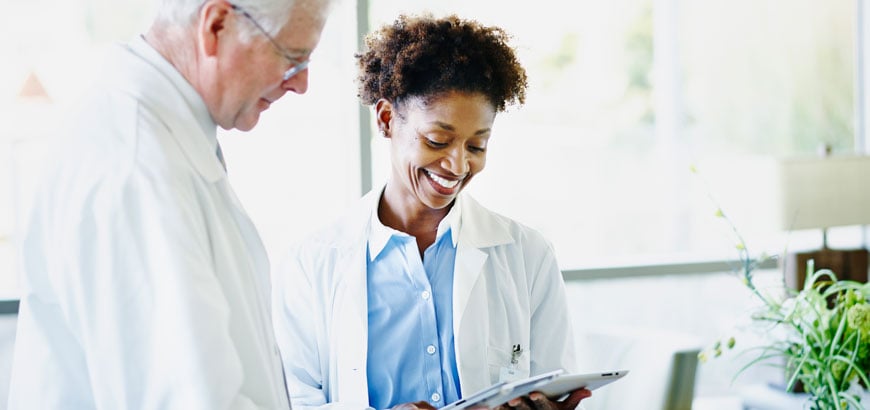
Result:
437,147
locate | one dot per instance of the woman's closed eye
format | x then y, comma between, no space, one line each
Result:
439,144
436,144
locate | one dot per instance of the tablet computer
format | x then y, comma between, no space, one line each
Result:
554,385
502,392
566,383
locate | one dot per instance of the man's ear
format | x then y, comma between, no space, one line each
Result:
384,115
212,24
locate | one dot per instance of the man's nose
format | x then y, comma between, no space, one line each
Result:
298,83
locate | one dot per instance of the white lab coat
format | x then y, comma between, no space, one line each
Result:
145,284
507,290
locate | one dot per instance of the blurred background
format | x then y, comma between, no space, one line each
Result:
626,99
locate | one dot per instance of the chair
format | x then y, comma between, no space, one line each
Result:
661,367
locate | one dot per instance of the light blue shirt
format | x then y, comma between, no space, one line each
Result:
411,351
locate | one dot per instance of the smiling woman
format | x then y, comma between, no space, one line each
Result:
436,103
437,146
418,259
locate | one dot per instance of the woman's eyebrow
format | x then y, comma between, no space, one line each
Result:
447,127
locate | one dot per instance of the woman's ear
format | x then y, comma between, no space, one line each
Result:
212,25
384,116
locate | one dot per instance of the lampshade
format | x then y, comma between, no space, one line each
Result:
823,192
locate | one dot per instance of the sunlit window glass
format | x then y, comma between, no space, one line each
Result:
625,96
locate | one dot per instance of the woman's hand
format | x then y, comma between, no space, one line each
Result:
420,405
537,401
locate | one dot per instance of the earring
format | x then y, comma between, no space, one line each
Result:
383,133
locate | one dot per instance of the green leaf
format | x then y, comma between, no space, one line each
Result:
794,377
840,329
835,393
850,398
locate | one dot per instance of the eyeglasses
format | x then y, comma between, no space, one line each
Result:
296,65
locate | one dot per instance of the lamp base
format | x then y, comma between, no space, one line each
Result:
846,264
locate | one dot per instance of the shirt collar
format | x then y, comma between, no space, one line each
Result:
452,222
380,234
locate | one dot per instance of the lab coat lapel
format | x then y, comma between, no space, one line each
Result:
467,269
352,306
198,148
480,230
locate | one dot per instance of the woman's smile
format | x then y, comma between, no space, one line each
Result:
443,185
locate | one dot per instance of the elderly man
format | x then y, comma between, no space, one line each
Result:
145,283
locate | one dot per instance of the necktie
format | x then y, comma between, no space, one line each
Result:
220,155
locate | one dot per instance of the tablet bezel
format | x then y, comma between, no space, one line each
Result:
567,383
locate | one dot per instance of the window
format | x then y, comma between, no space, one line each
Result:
626,96
299,167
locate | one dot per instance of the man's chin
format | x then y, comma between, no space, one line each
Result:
247,124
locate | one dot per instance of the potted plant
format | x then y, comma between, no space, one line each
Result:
822,333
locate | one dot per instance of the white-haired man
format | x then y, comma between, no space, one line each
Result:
145,283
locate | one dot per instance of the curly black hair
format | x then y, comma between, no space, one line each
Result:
423,56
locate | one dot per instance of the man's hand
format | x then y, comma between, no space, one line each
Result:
537,401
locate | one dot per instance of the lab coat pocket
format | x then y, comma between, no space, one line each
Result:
501,367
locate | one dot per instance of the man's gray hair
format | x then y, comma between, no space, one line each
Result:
271,14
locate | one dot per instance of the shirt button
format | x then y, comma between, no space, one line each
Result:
431,350
426,295
436,397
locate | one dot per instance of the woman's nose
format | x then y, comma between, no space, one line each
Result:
457,162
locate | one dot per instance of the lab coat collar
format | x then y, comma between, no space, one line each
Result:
187,117
379,234
480,228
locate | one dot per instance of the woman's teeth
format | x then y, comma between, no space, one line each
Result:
446,183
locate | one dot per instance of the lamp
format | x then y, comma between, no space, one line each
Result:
820,193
